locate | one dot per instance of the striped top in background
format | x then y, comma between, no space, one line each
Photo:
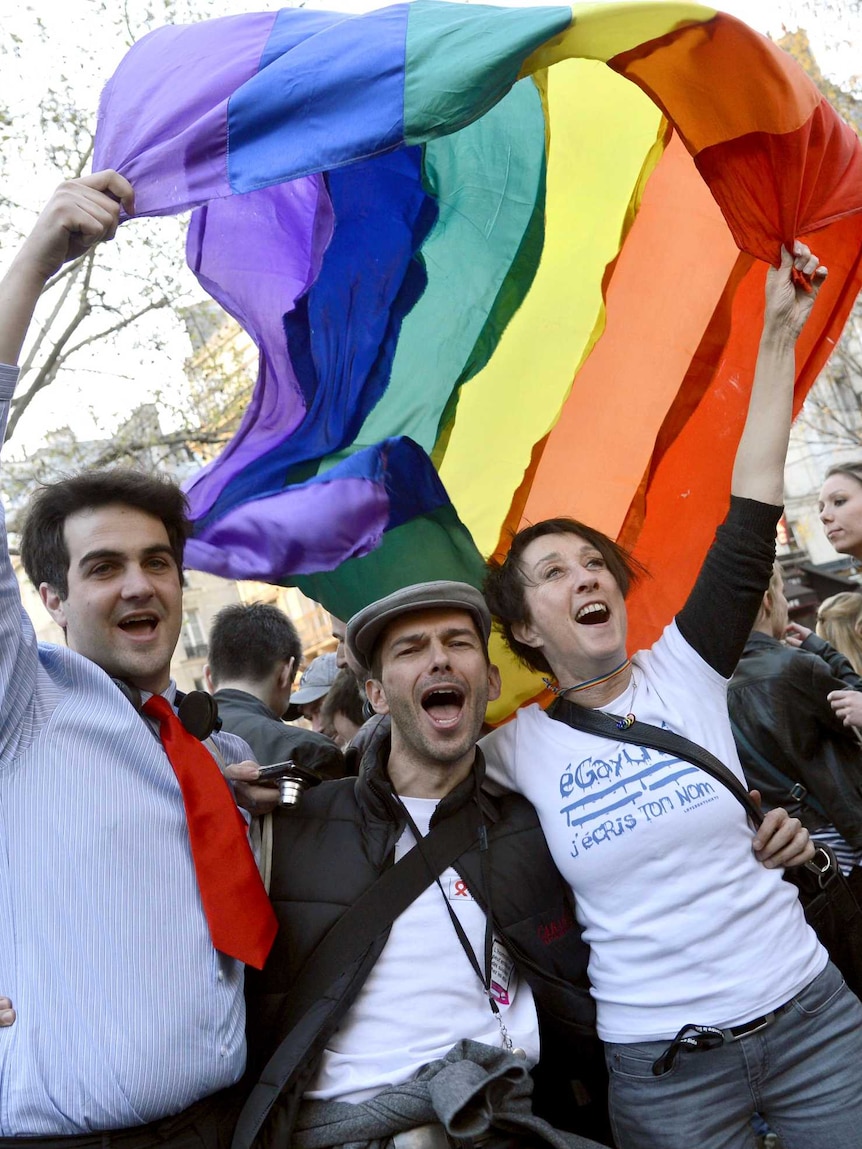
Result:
500,265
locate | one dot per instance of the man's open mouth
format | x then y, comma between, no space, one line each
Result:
139,625
592,614
443,704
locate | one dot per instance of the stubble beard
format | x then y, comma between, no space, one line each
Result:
421,744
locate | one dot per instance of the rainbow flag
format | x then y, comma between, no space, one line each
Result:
500,264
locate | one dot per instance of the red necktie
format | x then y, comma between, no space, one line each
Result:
241,920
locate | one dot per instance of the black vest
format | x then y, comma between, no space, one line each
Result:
332,848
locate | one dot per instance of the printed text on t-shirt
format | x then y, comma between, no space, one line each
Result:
605,799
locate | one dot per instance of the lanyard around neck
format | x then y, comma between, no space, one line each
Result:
484,976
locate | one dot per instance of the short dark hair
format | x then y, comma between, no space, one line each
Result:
343,697
246,642
43,541
505,580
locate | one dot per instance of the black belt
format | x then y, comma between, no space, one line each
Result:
736,1032
160,1132
705,1037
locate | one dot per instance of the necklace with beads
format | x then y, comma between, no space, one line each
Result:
561,691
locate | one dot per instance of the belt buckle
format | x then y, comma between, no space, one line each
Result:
755,1026
737,1032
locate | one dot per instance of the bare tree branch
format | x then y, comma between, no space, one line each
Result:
60,353
119,325
84,158
45,327
48,371
185,439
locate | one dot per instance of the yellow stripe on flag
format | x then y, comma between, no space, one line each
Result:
517,398
602,31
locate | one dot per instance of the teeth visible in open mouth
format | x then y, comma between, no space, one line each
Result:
442,697
593,612
443,706
141,622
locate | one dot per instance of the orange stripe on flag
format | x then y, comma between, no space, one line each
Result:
683,71
668,277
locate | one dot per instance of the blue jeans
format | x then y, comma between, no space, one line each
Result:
803,1073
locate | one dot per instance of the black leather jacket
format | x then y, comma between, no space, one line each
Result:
331,849
777,699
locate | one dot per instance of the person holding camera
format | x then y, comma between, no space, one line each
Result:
254,650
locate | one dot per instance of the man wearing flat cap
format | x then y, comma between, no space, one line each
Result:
424,930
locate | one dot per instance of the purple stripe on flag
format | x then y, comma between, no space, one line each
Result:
256,254
301,530
170,139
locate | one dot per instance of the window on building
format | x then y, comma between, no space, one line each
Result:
193,637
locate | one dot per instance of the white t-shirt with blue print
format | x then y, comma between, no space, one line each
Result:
684,924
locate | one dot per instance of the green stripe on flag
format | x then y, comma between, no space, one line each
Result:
461,59
432,546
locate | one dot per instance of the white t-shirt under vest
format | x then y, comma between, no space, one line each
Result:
423,995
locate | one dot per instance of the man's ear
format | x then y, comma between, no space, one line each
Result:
524,632
287,674
208,679
495,683
376,695
54,605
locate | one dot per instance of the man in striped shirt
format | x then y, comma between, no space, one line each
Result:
122,1019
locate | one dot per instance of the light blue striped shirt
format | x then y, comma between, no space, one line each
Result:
126,1013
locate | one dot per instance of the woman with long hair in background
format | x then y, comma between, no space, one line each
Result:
839,618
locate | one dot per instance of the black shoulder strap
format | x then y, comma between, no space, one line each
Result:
795,790
645,734
824,863
347,941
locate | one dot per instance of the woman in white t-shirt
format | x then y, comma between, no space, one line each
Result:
714,997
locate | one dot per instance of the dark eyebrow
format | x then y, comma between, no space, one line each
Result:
422,635
407,638
460,631
105,553
555,555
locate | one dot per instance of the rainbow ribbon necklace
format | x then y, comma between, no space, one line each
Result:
560,691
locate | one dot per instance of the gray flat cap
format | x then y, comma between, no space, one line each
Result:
366,626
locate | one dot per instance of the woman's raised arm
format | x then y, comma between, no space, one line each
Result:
758,472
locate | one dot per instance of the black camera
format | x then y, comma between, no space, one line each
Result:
293,780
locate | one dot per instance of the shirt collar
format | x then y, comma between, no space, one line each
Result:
169,693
